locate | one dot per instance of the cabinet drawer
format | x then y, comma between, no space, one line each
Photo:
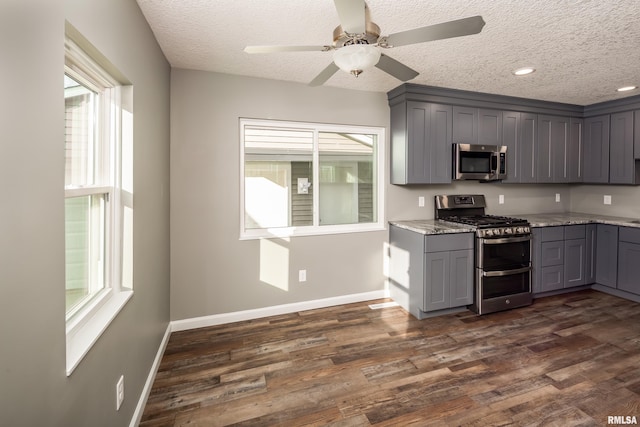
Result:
629,234
574,232
550,234
448,242
552,253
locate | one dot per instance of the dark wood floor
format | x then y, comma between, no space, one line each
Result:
566,360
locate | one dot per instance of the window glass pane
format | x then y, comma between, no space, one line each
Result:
80,133
347,179
278,172
84,248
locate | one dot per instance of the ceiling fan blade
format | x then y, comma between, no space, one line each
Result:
324,75
396,69
352,15
445,30
272,49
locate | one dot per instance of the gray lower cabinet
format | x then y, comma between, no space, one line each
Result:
430,273
448,275
607,255
575,256
629,260
591,246
421,143
560,259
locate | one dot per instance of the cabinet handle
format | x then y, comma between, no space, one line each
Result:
505,273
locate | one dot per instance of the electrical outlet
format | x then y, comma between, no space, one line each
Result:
421,202
557,197
302,275
501,199
607,200
119,392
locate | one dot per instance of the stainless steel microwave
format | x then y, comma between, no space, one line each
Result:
479,162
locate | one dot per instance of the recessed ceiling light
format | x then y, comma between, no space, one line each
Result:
627,88
524,71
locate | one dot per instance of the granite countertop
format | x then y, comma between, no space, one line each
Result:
571,218
434,226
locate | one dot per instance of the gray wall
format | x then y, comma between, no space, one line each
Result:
625,200
212,271
35,390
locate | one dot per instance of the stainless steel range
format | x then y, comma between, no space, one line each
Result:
502,252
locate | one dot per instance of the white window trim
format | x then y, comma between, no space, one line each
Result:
316,230
85,326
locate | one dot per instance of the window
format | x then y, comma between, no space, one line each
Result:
307,178
98,196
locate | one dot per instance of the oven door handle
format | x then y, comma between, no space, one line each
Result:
505,273
505,240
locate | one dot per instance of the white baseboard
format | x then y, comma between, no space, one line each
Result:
146,390
238,316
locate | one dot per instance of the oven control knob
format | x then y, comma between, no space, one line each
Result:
508,231
507,302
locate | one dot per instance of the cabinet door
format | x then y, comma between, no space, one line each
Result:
461,280
489,127
621,160
437,273
607,255
629,267
574,151
560,144
427,151
441,156
418,147
574,262
527,148
595,151
545,150
465,125
551,278
590,261
552,253
511,139
636,134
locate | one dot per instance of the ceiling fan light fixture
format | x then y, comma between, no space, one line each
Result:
356,58
524,71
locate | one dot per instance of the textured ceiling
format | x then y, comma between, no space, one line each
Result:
582,49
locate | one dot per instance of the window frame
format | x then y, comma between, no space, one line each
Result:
83,63
317,229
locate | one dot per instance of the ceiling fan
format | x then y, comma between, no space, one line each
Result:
357,43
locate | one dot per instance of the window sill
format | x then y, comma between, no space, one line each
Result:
82,339
285,232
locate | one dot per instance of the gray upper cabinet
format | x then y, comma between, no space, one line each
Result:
622,164
596,150
636,134
511,138
465,125
553,148
421,143
490,126
546,142
527,148
477,126
574,151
